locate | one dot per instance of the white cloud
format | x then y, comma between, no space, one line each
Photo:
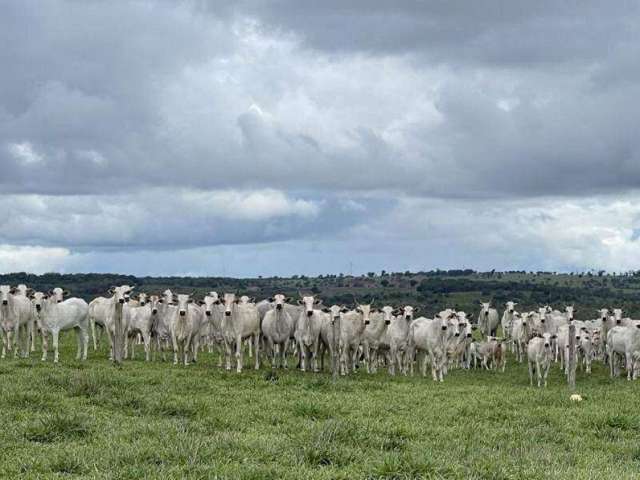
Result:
33,259
25,153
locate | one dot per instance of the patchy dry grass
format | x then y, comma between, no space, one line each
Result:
155,420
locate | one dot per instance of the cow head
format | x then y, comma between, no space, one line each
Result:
603,314
38,300
154,300
215,297
408,312
335,312
5,293
278,301
617,315
388,314
484,308
244,299
511,306
364,310
121,294
183,304
570,311
547,339
143,299
230,301
58,294
542,311
308,303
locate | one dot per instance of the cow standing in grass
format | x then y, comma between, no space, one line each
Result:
488,319
307,331
240,322
540,355
15,321
277,329
54,317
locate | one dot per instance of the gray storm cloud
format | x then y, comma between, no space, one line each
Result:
191,126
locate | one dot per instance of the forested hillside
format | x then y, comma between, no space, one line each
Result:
431,291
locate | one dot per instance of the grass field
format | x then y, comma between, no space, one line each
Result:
154,420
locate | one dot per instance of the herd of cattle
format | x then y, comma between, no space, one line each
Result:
387,336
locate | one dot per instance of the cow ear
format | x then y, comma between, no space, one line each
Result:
554,337
200,302
317,301
300,302
160,300
111,291
271,299
326,310
66,293
344,310
416,310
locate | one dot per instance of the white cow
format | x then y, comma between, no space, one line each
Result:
184,327
240,322
540,355
397,338
54,317
15,318
160,331
352,325
488,319
213,311
141,322
105,311
374,336
307,333
508,316
277,329
429,337
520,335
624,342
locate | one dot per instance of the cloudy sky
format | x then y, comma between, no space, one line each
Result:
281,137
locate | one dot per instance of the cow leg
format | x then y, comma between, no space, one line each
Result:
227,355
79,342
629,361
33,334
45,345
54,335
274,348
303,354
239,354
256,346
146,337
174,343
93,334
250,349
530,365
186,349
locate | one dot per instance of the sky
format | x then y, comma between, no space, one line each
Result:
281,137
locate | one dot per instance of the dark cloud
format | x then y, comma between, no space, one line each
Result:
119,121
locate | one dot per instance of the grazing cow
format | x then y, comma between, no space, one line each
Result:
540,355
507,319
488,319
15,317
429,336
239,322
520,334
54,317
184,326
624,342
277,329
307,333
374,336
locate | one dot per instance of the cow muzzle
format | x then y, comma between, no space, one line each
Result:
387,322
154,311
182,313
279,307
309,313
444,327
5,302
38,307
121,300
407,317
227,313
469,335
208,313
